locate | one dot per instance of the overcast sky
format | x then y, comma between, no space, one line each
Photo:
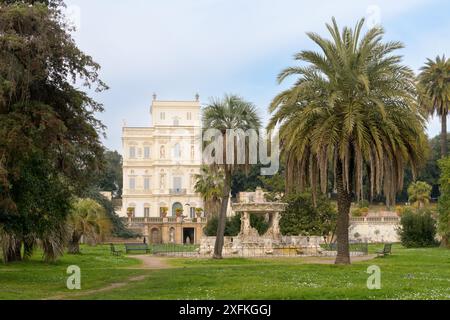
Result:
176,48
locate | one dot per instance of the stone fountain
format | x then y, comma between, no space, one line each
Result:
250,243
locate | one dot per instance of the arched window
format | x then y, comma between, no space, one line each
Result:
175,207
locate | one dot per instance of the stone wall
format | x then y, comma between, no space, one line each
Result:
375,229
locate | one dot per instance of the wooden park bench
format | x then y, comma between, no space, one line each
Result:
129,247
114,251
387,250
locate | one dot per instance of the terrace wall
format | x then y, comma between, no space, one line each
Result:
375,229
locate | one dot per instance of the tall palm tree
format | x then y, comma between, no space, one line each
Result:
434,86
210,185
352,110
231,112
88,218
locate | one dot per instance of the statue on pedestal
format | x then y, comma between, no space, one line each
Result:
246,228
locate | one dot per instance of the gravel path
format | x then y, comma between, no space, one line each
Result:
151,263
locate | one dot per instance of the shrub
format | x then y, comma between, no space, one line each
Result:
259,223
119,229
444,202
363,204
364,211
418,228
357,213
303,218
399,210
233,225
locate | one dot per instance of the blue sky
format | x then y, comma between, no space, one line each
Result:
177,48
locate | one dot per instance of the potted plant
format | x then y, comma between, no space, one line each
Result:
364,211
199,212
178,212
164,211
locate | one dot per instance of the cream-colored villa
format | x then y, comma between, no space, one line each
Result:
159,167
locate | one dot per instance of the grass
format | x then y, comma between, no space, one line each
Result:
407,274
35,279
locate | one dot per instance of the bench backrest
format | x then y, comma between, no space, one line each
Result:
387,247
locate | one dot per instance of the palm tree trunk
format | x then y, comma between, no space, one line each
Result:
444,135
13,251
344,202
74,244
222,216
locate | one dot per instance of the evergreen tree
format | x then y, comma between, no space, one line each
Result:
50,144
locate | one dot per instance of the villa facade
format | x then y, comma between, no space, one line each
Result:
160,163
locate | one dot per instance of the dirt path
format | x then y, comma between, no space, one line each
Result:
148,263
151,263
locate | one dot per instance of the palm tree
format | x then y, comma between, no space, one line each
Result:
434,86
210,185
419,193
88,218
353,109
230,113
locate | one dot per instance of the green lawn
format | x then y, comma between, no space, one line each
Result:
407,274
35,279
